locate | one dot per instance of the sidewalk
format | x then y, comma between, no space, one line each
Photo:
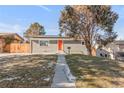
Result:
60,79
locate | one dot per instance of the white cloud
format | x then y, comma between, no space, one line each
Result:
45,8
11,28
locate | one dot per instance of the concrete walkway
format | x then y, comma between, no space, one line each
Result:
60,80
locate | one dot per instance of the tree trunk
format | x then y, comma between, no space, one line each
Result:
89,51
89,48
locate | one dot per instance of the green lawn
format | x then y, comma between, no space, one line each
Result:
34,71
96,72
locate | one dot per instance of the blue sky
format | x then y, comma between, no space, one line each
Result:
18,18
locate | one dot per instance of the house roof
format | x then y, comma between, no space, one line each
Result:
11,34
48,36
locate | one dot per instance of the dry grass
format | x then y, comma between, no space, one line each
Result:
27,71
96,72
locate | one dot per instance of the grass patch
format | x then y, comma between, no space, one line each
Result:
95,72
33,71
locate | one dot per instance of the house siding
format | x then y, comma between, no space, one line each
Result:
36,48
76,46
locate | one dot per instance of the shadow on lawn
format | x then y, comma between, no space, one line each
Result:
31,71
95,71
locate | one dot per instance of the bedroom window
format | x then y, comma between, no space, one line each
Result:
43,43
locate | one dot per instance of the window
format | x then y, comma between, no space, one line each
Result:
101,55
82,43
105,55
43,43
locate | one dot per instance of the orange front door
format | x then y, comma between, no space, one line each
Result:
60,44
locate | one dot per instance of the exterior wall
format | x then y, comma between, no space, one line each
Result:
121,47
6,48
36,48
19,48
76,46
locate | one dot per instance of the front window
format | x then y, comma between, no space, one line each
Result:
43,43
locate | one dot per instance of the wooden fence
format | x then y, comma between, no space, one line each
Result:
1,47
19,48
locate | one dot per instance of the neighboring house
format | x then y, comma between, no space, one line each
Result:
120,45
7,47
112,50
17,38
103,52
55,44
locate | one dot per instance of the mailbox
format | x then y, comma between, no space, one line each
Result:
69,50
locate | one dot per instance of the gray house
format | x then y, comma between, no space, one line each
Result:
55,44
